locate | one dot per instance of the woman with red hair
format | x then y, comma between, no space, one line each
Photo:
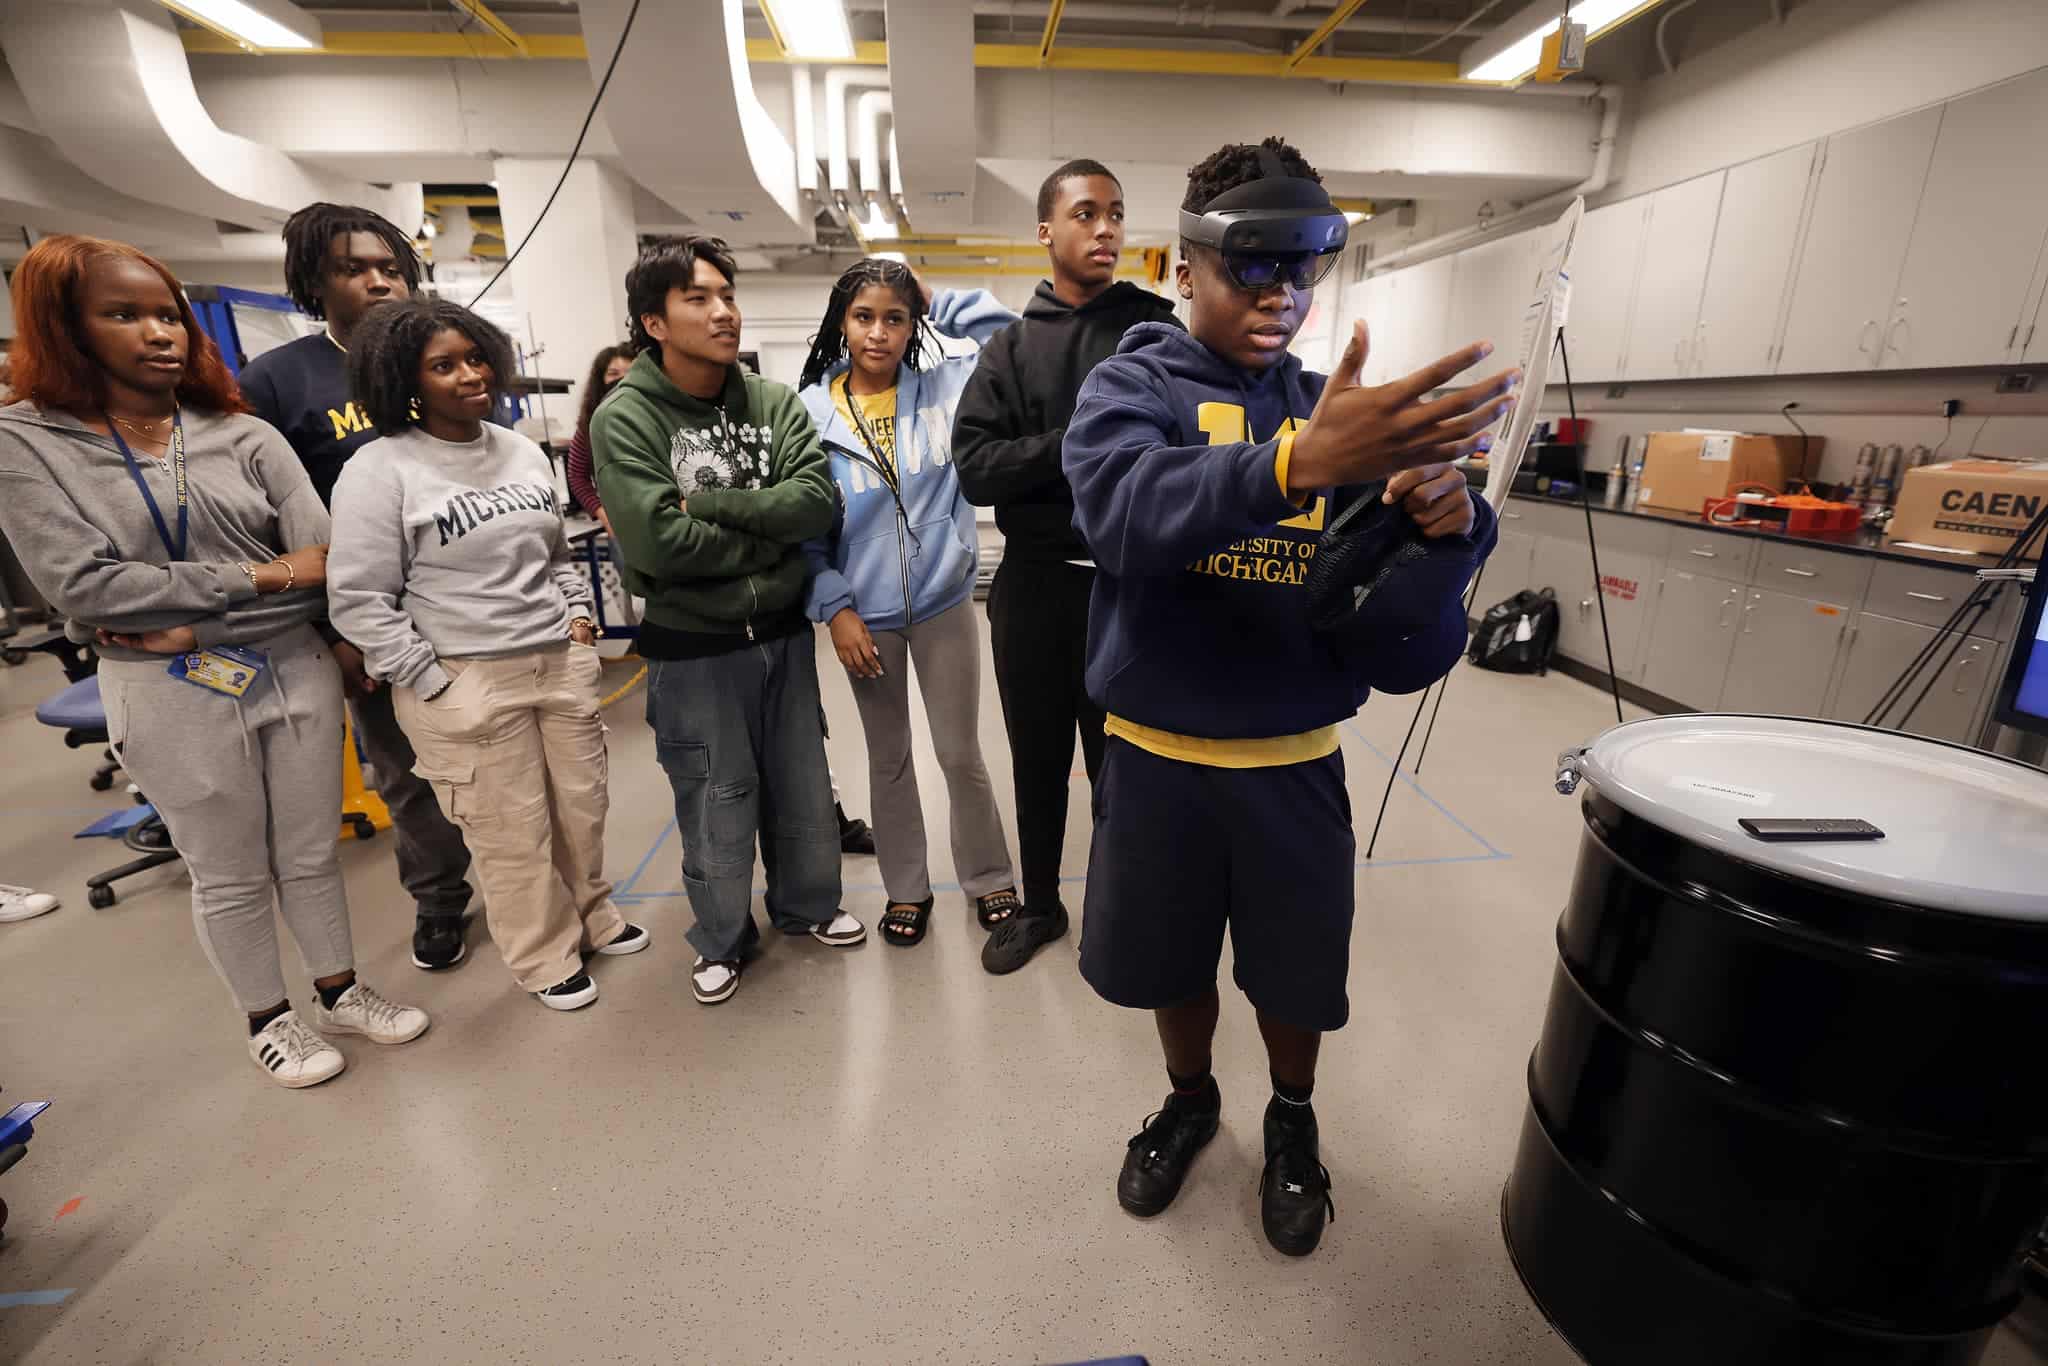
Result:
183,537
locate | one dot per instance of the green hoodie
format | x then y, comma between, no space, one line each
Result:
711,502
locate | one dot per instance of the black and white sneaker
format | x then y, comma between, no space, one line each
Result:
1294,1190
842,931
713,980
1161,1154
292,1055
437,942
574,994
632,939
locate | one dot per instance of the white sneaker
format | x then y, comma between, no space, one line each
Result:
293,1055
713,982
22,903
842,932
362,1011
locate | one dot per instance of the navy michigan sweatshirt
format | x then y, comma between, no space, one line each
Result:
1199,624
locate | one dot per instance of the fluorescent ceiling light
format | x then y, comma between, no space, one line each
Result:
1354,218
1503,58
898,257
272,24
880,223
811,30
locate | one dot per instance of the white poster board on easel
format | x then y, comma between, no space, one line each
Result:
1549,299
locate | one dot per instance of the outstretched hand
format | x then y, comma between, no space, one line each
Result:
1361,434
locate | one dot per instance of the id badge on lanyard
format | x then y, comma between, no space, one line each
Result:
228,669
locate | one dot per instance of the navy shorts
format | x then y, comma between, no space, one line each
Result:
1182,850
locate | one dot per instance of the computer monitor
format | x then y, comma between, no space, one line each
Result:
2023,694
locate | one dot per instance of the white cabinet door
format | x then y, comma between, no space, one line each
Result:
1367,299
1870,183
1485,278
1421,315
1604,261
1678,239
1978,232
1754,241
2032,344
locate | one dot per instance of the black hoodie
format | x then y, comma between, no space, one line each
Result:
1014,413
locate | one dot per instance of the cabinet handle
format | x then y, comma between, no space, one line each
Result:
1747,625
1927,597
1959,689
1699,349
1803,573
1896,324
1512,516
1726,603
1705,554
2012,336
1868,329
1585,606
1678,354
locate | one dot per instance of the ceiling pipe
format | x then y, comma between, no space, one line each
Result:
895,168
1603,166
806,133
1151,17
839,169
868,111
1663,23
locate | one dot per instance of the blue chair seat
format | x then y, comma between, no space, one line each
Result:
76,708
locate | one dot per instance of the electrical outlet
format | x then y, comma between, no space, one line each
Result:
1617,391
2018,382
1951,406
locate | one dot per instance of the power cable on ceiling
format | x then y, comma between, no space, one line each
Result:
1468,21
574,152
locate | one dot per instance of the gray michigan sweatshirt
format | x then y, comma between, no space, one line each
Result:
449,550
81,530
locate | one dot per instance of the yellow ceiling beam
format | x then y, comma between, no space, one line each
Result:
461,201
999,56
497,27
1052,30
1323,31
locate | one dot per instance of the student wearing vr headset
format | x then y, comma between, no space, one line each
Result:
1206,467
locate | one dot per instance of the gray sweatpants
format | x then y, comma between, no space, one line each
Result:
251,791
947,652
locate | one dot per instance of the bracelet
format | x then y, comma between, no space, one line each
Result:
250,571
291,575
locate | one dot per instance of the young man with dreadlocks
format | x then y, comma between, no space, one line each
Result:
1205,465
1006,445
893,579
341,262
714,479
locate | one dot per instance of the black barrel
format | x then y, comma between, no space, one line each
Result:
1774,1121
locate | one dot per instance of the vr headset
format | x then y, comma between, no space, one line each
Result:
1278,229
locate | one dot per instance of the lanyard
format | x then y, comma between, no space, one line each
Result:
176,549
884,462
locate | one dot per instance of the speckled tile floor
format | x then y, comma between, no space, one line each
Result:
867,1156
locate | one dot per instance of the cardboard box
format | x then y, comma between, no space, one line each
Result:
1977,504
1682,470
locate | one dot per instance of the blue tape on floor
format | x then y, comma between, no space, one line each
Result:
625,888
1417,788
16,1297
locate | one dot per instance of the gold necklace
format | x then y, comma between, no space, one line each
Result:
144,429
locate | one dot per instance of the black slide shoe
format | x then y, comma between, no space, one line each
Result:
1294,1190
1013,941
1160,1156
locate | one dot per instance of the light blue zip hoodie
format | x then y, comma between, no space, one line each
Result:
899,565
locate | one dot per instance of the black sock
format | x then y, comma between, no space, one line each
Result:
1293,1099
257,1023
329,995
1197,1092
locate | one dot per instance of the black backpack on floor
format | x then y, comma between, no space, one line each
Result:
1518,636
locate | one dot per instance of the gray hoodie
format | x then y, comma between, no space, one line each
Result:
449,550
80,527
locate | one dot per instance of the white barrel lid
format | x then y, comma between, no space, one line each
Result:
1964,831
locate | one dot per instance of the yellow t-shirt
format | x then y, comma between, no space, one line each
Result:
877,417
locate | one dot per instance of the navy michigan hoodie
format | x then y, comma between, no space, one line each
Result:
1200,620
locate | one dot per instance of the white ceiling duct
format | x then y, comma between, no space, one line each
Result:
111,87
839,168
931,70
39,187
869,111
682,109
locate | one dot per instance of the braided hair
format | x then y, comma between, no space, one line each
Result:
828,348
384,356
1238,164
309,235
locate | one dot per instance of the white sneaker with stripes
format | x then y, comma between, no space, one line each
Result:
293,1055
360,1010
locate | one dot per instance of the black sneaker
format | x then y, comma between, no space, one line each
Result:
573,994
1011,944
437,942
1160,1155
855,837
1294,1190
632,939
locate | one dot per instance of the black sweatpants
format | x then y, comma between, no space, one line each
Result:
1038,624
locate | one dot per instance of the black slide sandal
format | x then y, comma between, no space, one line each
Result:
993,909
904,922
